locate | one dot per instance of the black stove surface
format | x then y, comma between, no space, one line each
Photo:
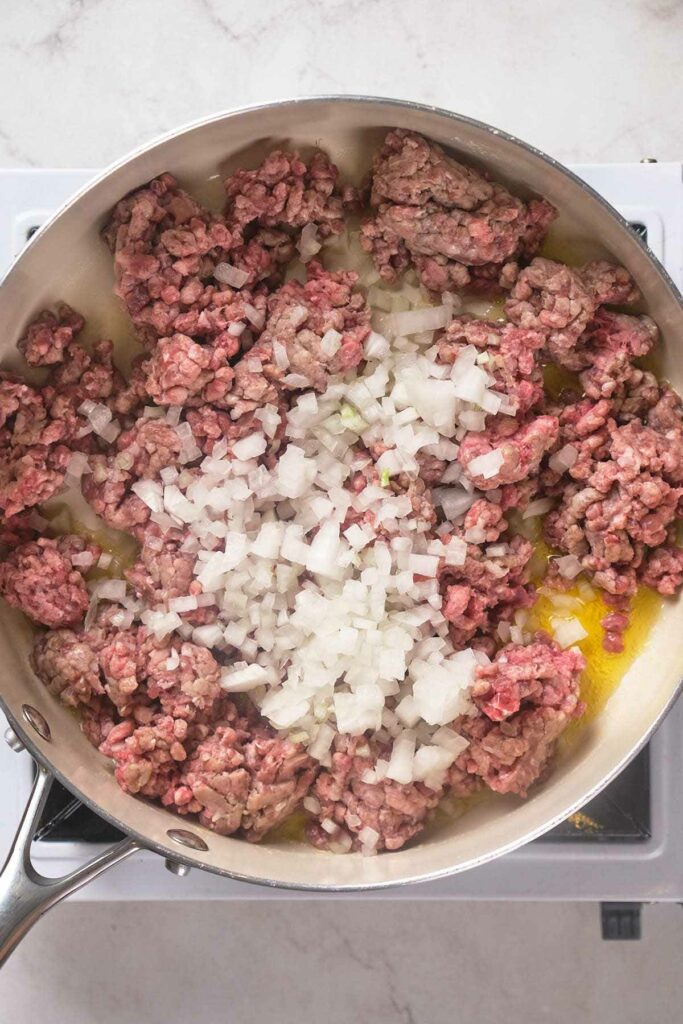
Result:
621,813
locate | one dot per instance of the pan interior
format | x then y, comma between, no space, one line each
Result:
67,260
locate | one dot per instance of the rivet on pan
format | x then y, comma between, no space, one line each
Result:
186,838
176,868
36,721
13,741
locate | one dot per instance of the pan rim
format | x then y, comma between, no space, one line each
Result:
225,116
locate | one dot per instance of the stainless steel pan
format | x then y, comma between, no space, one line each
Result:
67,260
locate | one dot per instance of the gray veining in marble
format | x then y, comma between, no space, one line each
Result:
351,963
82,81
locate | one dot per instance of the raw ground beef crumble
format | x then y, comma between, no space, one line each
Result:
607,455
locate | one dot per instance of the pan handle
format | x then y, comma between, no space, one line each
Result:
25,894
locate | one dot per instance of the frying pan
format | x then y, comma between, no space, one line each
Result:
67,260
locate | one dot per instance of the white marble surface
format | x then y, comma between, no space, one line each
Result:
416,963
82,81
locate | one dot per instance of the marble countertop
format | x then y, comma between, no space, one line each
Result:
82,81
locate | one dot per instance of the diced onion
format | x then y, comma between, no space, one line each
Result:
254,316
486,465
308,244
568,632
330,343
564,459
415,321
568,566
232,276
243,679
537,508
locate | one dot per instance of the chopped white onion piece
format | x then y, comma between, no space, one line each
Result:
183,604
487,465
567,632
564,459
330,343
568,566
538,508
308,244
254,316
110,590
232,276
243,678
415,321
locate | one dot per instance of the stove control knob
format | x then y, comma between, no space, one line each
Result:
176,868
13,741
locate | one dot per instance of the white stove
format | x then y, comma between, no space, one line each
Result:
636,853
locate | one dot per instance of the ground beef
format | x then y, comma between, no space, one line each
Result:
123,663
231,355
180,372
98,718
189,687
512,357
511,755
663,570
82,376
139,669
486,520
539,674
68,665
140,453
40,427
626,502
29,476
107,490
431,468
419,494
667,412
212,425
164,571
411,171
166,248
614,626
485,591
527,696
298,318
40,579
610,285
396,812
562,303
607,348
147,757
32,417
638,393
522,446
18,529
148,447
552,298
264,257
443,217
27,418
49,416
14,394
49,335
286,191
241,777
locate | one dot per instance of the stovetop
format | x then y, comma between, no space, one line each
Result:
627,843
